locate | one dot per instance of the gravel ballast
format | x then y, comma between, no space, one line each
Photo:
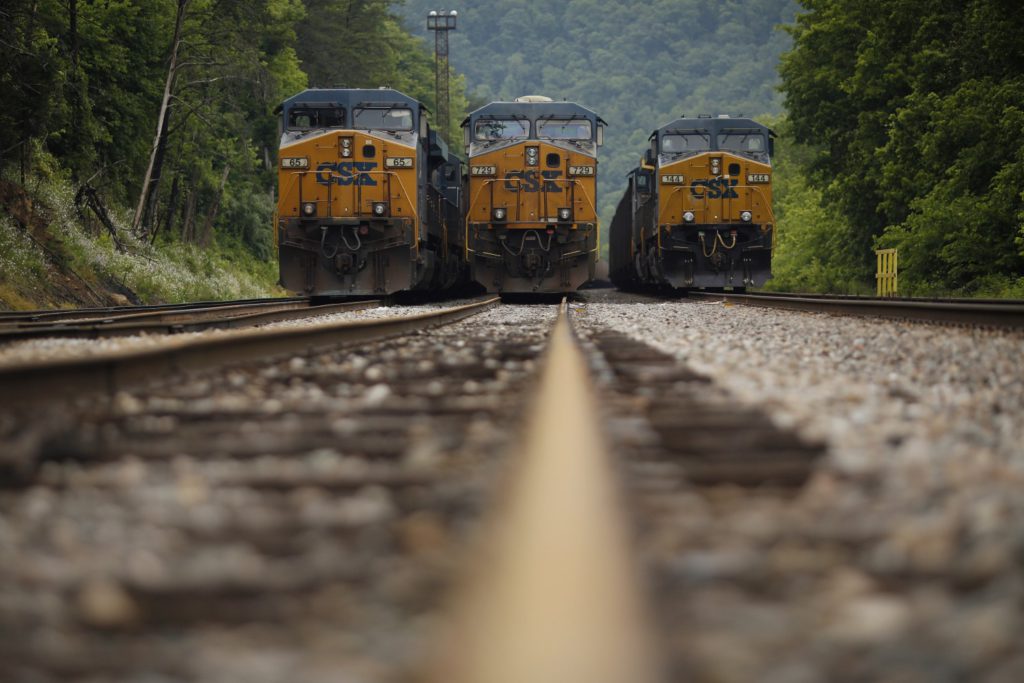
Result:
902,557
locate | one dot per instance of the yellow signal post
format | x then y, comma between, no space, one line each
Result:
887,272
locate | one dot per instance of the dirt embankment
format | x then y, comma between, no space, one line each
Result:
61,285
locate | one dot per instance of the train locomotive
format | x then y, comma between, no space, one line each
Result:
531,216
697,211
370,199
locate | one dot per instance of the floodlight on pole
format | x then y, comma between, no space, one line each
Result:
441,22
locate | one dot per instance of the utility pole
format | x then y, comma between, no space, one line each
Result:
441,22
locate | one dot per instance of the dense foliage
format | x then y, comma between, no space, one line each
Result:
915,113
89,83
637,63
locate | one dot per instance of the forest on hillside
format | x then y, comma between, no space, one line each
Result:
637,63
103,95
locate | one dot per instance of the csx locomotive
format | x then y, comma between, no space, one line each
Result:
531,218
697,210
369,197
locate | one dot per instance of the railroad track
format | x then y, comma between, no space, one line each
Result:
501,494
973,312
294,489
104,375
52,316
173,319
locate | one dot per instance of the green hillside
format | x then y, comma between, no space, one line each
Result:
637,63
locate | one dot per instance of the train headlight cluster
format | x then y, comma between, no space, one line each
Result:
532,156
564,214
309,208
688,216
745,216
499,214
380,208
346,147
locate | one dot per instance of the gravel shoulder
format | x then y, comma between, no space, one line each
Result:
901,559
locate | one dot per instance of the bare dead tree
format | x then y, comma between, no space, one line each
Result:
149,180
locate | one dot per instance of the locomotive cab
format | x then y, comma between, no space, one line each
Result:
356,211
531,216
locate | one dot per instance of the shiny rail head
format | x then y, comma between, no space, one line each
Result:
553,594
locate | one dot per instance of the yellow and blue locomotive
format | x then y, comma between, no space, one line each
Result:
369,198
697,212
531,219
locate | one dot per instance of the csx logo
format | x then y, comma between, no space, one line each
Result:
716,188
530,181
346,173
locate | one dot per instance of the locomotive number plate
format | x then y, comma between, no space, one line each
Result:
398,162
581,170
294,162
758,178
483,170
673,179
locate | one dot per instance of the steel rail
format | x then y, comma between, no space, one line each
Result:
13,317
227,317
554,597
980,313
105,375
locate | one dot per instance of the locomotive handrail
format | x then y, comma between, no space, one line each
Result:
489,183
705,199
356,189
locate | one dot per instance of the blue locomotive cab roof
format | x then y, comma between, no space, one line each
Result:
533,120
688,136
371,109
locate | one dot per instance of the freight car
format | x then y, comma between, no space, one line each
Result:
697,211
370,199
531,221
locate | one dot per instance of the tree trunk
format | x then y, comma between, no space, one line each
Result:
172,207
189,217
160,141
211,215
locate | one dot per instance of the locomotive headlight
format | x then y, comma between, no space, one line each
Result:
688,216
380,208
532,156
745,216
564,214
346,147
309,208
499,214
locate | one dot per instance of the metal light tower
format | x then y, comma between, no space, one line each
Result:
440,22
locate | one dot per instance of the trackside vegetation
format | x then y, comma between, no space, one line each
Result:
138,139
912,118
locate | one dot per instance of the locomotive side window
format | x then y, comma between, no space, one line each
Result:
382,118
562,129
501,129
316,117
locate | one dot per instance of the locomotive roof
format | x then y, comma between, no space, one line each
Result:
711,125
533,111
349,97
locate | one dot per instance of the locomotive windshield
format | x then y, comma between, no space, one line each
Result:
304,118
382,118
501,129
678,143
747,142
564,129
